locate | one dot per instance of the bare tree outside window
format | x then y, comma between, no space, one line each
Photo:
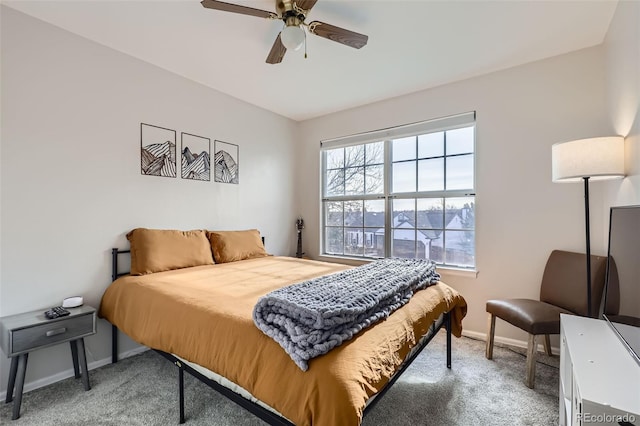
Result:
355,170
430,196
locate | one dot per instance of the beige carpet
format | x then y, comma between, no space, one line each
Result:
142,390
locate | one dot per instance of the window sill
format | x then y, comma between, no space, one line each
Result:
355,261
447,271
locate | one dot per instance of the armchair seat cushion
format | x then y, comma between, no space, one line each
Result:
532,316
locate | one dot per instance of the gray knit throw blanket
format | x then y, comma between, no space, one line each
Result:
310,318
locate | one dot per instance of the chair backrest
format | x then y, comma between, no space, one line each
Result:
564,282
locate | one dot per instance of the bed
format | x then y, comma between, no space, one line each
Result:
200,318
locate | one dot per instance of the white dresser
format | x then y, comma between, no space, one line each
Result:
599,379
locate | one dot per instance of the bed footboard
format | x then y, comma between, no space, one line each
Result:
271,417
261,412
444,320
268,416
114,344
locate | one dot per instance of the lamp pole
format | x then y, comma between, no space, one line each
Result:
582,159
586,217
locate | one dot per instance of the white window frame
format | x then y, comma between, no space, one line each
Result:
387,136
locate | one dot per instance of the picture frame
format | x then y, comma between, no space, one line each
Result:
195,154
157,151
226,162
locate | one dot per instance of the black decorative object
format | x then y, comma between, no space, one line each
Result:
299,227
196,159
157,151
226,162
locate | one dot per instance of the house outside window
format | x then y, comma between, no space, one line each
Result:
403,192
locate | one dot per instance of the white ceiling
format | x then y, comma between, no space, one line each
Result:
413,45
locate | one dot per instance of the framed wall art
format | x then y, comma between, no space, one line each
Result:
157,151
196,157
226,162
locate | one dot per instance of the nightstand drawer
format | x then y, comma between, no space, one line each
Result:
26,339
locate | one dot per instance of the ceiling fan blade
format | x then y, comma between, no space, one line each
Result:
236,8
306,4
338,34
277,52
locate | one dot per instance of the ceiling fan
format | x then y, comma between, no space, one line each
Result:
292,36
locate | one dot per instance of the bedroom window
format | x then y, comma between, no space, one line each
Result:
402,192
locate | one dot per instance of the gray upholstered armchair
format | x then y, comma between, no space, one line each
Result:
563,291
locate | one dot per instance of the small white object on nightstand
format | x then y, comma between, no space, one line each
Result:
72,302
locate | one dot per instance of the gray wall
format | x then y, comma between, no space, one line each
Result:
70,176
622,65
520,214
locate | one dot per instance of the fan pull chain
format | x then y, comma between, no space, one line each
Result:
305,45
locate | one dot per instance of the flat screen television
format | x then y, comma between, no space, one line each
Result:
621,307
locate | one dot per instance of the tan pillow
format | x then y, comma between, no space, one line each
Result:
156,250
230,246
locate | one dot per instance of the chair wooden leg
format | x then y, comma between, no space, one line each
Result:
547,345
491,330
531,361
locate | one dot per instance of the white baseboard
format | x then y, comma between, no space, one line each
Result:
35,384
506,341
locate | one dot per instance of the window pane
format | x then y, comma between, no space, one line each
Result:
460,213
354,156
436,250
422,171
431,174
404,177
460,141
335,158
353,213
354,241
404,213
459,248
374,179
374,213
430,213
334,241
335,182
376,248
333,213
460,172
431,145
404,149
374,153
424,242
354,180
404,243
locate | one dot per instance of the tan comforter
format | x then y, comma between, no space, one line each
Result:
204,315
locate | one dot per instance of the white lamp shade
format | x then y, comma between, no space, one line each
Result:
595,158
292,37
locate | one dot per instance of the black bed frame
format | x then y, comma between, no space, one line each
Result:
267,415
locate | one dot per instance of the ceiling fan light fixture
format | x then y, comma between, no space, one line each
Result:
292,37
